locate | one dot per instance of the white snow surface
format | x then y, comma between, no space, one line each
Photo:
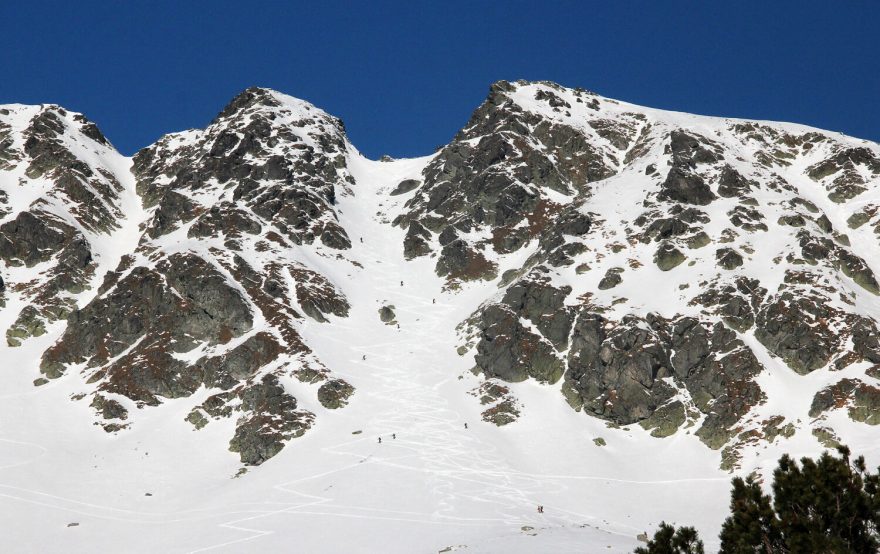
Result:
164,487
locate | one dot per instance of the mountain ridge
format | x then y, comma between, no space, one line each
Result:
685,280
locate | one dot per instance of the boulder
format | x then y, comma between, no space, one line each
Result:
611,279
668,257
270,419
405,186
728,258
334,394
785,327
386,315
687,187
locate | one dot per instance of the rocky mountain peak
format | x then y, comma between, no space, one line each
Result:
63,197
277,109
665,270
217,286
250,98
752,252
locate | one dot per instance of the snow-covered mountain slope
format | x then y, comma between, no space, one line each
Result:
665,255
233,257
578,303
67,206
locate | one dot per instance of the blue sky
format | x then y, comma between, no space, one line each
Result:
406,76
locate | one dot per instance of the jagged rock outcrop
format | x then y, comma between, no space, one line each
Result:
334,394
283,160
221,312
268,417
742,245
60,205
634,371
658,267
502,176
861,400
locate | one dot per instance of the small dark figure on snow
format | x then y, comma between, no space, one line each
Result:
433,301
540,509
393,435
401,283
365,356
380,440
465,425
362,240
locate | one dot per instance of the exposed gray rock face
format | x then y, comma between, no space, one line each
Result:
610,372
732,184
30,239
500,173
727,209
416,242
271,168
807,332
510,351
29,323
90,192
861,400
843,172
317,296
856,269
36,237
267,415
626,372
682,183
630,372
668,257
833,396
728,258
110,409
56,229
736,303
405,186
227,370
611,279
666,420
269,419
458,261
543,305
567,204
183,302
501,407
689,188
259,182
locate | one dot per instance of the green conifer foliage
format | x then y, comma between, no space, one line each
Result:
830,505
669,540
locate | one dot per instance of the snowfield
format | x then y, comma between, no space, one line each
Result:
440,479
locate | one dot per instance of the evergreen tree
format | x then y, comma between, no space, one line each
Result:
669,540
752,526
825,506
830,505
